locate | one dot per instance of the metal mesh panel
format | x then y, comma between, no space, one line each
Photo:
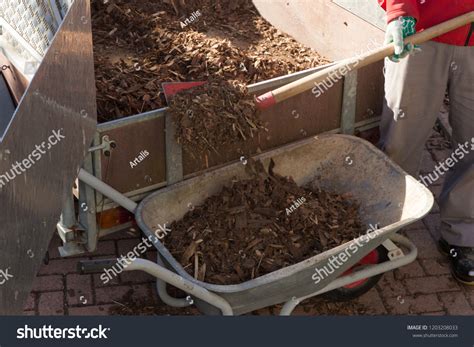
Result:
33,20
63,6
28,28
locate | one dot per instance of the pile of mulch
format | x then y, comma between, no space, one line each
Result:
249,229
225,113
139,45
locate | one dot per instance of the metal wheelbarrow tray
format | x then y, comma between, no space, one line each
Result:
388,197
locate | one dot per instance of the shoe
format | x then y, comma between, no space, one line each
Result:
462,261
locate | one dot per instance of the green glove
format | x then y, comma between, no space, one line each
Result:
397,31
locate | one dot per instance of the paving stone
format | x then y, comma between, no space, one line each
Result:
30,302
128,277
456,304
469,292
99,282
390,286
79,289
299,311
125,246
411,270
424,242
413,304
48,283
51,304
105,248
373,302
60,266
431,284
95,310
437,313
436,266
110,294
113,279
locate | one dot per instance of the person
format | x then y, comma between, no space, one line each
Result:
416,82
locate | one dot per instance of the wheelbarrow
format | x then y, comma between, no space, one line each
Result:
388,197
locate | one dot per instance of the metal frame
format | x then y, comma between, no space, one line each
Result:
349,100
389,265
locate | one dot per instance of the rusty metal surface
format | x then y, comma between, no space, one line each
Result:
61,99
322,25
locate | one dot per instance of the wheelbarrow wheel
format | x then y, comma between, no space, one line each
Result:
358,288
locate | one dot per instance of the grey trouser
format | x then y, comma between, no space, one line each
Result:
414,92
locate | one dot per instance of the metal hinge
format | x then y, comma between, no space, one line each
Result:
106,146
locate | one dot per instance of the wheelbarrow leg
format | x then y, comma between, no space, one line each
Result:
163,294
290,305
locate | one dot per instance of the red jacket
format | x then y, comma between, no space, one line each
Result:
432,12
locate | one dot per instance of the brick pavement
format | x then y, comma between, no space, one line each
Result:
424,287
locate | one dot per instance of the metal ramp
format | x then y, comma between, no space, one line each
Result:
41,151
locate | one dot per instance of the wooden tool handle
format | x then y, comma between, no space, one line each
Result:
340,69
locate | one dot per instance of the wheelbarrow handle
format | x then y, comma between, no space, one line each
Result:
343,67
